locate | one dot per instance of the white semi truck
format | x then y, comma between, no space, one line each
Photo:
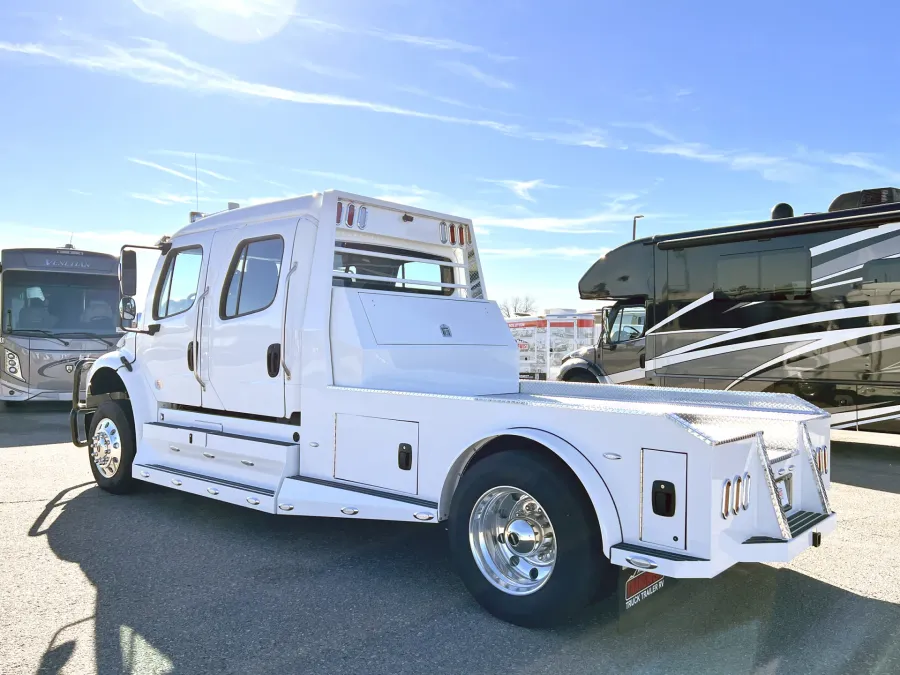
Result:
333,355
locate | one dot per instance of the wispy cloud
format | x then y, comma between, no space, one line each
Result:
865,162
207,172
583,225
238,20
205,156
558,252
164,199
418,91
650,128
153,62
437,44
683,92
26,235
466,70
325,71
345,179
160,167
79,192
521,188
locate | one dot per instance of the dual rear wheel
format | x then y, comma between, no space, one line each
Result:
525,540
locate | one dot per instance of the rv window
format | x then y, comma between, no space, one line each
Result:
252,280
178,289
883,271
626,323
764,274
363,259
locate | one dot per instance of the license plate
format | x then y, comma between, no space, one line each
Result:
783,490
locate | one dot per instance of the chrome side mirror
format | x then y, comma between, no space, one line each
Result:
127,310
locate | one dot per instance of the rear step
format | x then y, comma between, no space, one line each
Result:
665,555
798,523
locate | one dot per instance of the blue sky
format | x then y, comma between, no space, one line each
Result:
548,124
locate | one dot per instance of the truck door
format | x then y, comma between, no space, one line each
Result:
622,347
168,355
243,323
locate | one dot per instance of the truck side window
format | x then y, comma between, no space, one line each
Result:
252,280
178,288
627,323
390,272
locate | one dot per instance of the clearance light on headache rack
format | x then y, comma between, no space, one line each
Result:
340,214
443,232
452,234
351,212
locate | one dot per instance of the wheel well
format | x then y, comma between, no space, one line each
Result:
107,381
511,442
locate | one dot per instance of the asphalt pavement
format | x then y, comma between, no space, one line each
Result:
165,582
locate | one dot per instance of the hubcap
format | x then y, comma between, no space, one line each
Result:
106,448
512,540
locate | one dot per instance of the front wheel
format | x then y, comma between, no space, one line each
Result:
581,375
112,446
525,539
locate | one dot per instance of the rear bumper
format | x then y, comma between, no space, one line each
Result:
728,553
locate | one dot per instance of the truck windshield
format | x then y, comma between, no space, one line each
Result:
59,303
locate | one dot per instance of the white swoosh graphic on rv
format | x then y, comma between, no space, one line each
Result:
684,310
834,337
830,315
853,238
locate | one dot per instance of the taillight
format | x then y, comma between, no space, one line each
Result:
822,459
726,498
351,211
452,234
340,213
745,504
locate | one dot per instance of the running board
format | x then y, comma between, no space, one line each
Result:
312,496
232,492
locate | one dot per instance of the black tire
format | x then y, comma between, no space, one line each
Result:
581,375
581,574
119,412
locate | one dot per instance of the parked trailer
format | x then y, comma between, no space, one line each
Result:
539,357
58,305
806,305
334,355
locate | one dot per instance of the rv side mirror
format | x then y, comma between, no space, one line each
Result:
128,265
127,310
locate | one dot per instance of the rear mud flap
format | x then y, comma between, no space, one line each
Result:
641,597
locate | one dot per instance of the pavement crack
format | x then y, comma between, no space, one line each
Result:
25,501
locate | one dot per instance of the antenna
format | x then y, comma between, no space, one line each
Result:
196,182
71,236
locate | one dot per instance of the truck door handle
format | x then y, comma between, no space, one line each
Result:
404,456
190,355
273,360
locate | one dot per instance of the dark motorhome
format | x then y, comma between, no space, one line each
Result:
808,305
57,305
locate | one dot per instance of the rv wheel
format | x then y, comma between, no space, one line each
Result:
581,376
525,540
112,446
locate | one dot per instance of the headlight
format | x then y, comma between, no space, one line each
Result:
12,366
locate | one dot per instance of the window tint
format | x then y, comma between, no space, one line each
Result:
253,279
179,286
770,274
363,259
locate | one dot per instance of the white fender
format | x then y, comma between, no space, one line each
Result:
142,401
595,486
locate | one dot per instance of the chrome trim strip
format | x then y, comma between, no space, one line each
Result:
817,477
366,491
209,479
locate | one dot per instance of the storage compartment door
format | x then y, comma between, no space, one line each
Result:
378,452
664,498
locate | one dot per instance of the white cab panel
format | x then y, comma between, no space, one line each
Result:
165,355
368,452
668,470
403,319
245,315
358,360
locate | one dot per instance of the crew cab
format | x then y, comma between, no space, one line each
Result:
335,355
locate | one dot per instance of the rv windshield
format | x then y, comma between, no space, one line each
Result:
59,303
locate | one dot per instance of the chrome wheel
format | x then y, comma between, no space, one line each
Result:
512,540
106,448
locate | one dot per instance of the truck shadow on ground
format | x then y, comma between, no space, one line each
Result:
185,584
